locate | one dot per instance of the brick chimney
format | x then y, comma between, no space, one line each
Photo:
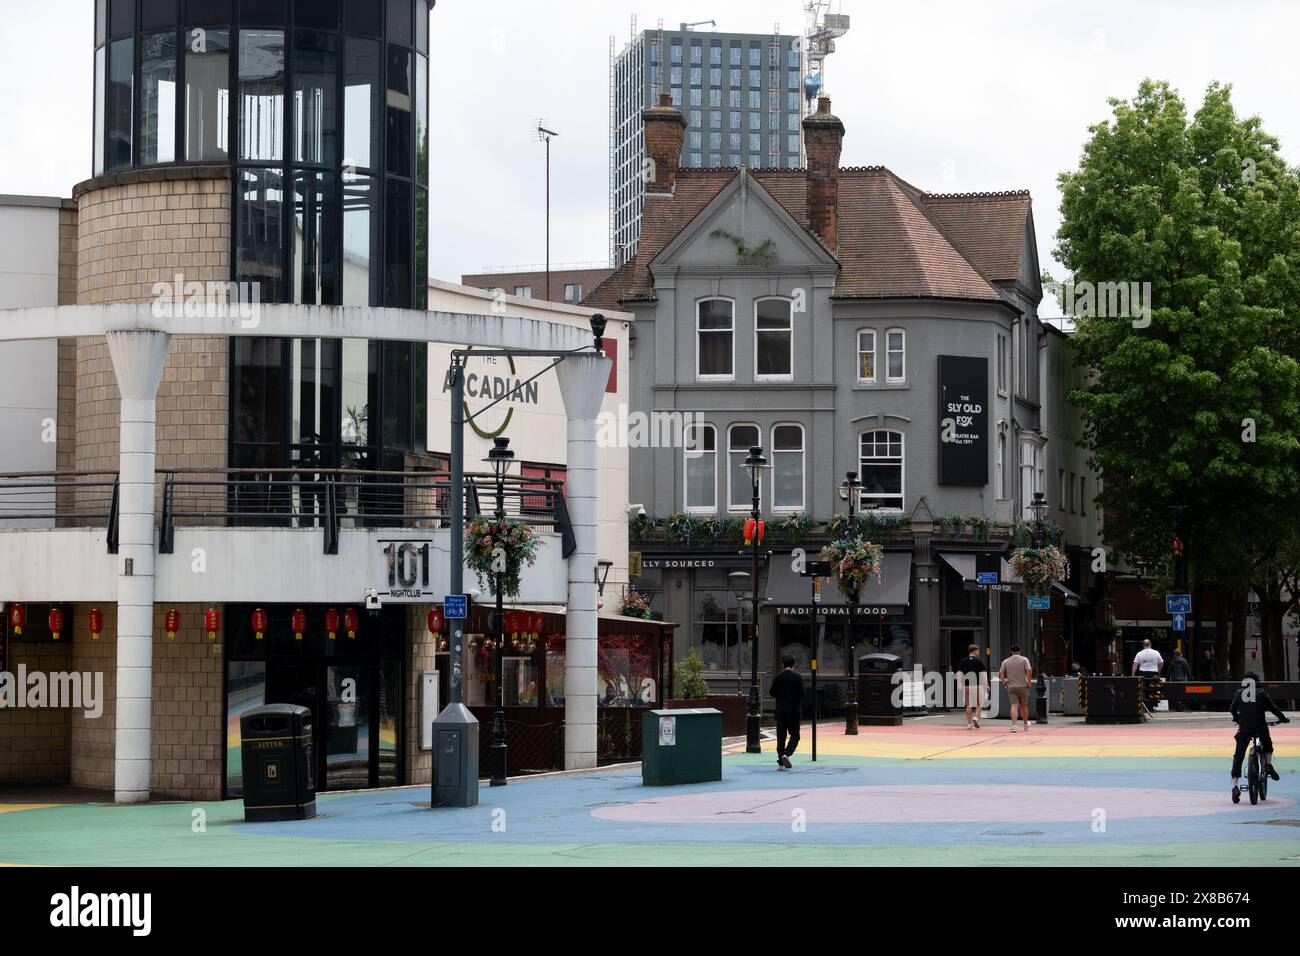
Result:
823,133
664,128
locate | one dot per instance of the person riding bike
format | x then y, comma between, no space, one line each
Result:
1250,708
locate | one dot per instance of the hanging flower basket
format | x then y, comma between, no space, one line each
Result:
852,562
499,547
1040,568
632,603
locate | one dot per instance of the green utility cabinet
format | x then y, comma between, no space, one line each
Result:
681,746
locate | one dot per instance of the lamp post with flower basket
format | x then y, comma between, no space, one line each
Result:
1040,567
850,489
754,464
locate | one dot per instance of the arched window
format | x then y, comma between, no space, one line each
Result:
700,454
880,463
740,438
787,467
773,339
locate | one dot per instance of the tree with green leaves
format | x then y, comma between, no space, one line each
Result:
1192,411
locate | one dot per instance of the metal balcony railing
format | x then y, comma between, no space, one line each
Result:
60,500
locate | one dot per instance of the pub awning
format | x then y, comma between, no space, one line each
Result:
791,593
964,564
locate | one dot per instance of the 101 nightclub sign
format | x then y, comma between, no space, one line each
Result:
963,420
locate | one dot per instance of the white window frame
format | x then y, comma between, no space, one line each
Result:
789,376
523,291
577,296
728,377
686,461
902,469
875,354
749,488
803,467
902,353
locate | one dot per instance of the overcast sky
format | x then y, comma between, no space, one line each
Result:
953,95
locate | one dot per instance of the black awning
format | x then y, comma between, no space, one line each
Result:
791,593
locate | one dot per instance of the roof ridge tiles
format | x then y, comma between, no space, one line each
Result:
989,194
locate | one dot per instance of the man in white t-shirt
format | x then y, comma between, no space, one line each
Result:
1148,661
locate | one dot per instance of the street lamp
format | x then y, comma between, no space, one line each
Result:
499,458
754,464
737,581
850,488
1038,506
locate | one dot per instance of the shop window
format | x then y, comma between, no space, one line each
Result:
315,119
740,492
158,98
715,351
787,468
207,97
881,467
773,339
717,629
627,672
261,95
700,451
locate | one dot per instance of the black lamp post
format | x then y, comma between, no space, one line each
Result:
1038,506
849,489
754,464
500,458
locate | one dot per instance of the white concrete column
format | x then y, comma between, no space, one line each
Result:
582,384
138,359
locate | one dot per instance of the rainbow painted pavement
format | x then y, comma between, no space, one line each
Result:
929,792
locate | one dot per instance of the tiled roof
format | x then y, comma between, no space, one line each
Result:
895,241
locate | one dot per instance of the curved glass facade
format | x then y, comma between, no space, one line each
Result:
320,108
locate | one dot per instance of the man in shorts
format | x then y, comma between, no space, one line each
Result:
972,677
1016,674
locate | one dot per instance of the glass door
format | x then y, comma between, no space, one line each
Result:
346,727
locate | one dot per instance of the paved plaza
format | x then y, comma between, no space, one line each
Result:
929,792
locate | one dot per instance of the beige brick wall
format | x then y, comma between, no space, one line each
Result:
35,743
131,235
419,658
188,742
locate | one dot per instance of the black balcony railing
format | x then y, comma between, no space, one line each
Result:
60,500
327,499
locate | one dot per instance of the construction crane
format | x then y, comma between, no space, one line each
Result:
825,26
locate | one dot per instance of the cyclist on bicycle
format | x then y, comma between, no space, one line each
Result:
1250,708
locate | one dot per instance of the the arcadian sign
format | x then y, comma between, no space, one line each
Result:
963,420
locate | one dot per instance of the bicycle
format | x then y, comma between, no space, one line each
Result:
1257,769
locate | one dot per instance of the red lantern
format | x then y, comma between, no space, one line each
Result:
299,623
331,623
538,621
96,623
762,530
56,622
350,623
1178,547
212,622
435,621
259,623
749,531
172,624
17,618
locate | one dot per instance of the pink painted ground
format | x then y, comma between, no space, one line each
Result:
1000,803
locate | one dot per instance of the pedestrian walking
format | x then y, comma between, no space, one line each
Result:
787,691
1147,664
1016,673
1180,670
973,678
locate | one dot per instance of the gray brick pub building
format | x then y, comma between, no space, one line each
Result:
844,320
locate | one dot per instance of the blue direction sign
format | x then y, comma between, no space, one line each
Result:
455,607
1178,604
1040,602
986,577
1180,621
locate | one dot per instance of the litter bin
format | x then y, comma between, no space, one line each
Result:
877,703
277,757
681,746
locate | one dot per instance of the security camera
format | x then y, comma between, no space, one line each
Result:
373,603
635,509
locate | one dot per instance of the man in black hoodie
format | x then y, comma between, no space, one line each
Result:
1250,708
787,690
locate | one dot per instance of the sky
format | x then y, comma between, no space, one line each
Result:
953,95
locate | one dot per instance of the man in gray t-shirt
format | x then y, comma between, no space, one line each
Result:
1016,674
